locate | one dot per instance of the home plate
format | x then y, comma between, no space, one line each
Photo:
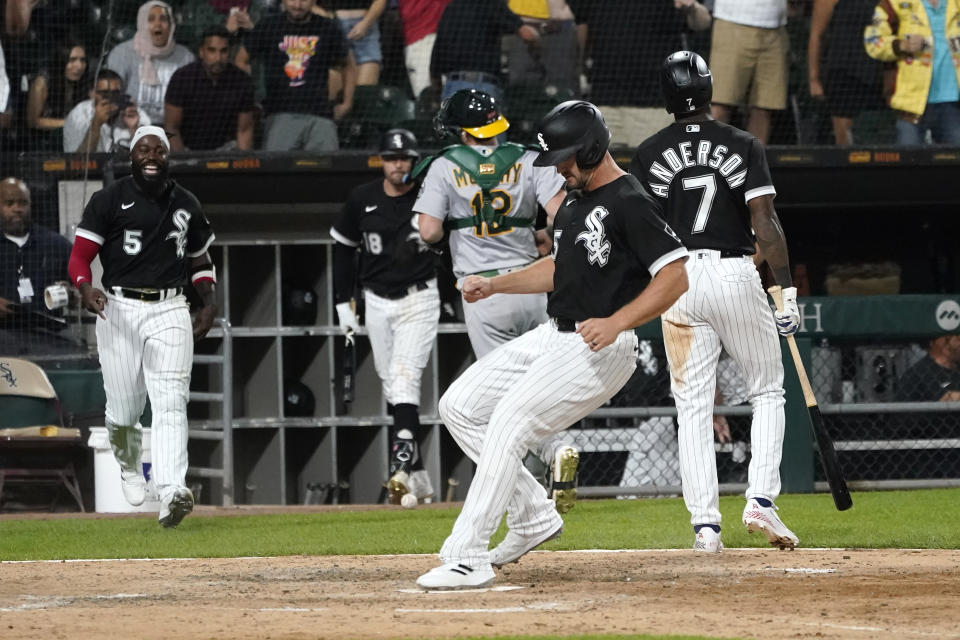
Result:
800,570
442,591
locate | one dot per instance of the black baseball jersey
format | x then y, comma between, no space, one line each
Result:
607,244
705,173
381,224
143,242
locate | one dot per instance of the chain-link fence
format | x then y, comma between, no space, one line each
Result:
891,407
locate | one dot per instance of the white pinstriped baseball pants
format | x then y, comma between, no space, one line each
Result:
508,401
146,348
726,306
500,318
401,336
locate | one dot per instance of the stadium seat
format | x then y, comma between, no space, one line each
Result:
376,108
525,105
40,452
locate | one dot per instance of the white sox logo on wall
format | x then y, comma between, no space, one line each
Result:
181,220
7,374
594,240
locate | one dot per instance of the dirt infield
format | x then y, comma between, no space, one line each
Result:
746,593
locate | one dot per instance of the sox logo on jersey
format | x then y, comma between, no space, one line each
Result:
594,240
181,220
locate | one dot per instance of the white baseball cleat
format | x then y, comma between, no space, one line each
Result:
756,517
457,576
707,541
418,483
516,545
134,486
176,508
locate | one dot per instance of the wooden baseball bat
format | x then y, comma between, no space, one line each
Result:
828,455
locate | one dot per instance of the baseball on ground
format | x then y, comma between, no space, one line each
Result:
408,501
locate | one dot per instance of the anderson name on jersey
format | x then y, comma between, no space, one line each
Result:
145,243
607,244
713,171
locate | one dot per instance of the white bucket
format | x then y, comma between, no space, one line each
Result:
106,471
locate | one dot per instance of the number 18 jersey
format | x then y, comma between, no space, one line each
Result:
704,174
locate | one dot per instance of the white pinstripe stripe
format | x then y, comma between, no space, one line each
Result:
725,305
402,333
146,348
526,390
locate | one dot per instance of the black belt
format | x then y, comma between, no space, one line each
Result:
396,294
565,325
473,76
152,295
732,253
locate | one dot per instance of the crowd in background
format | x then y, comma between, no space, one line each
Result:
80,75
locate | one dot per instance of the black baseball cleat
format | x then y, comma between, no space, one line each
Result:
403,454
173,512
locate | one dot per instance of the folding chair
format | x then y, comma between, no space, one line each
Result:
32,450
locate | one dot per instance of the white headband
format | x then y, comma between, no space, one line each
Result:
149,130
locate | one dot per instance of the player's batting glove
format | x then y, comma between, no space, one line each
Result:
347,318
788,320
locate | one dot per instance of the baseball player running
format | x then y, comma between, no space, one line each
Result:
151,235
486,195
718,196
615,265
398,277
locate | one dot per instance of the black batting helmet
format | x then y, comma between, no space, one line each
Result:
573,127
399,142
470,110
686,82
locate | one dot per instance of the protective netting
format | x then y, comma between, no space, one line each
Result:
406,54
867,392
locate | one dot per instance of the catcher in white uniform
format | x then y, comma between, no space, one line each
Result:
615,265
152,238
399,281
718,196
486,194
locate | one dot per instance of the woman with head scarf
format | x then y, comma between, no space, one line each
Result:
148,60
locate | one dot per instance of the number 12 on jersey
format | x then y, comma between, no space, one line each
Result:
709,185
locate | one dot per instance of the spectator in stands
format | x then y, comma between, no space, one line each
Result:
558,64
917,35
936,376
359,21
852,81
748,58
31,259
627,43
147,61
54,92
105,121
466,54
420,19
209,103
297,50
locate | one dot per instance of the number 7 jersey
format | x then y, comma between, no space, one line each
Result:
705,173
